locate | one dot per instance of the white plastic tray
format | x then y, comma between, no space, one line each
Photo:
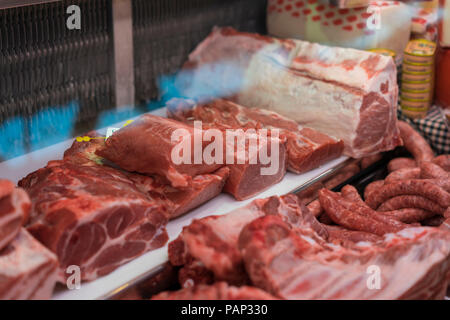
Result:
127,275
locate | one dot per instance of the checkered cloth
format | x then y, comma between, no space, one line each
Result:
434,128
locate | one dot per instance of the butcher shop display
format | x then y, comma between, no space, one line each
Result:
225,150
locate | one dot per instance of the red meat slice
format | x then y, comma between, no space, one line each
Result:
146,146
28,270
14,210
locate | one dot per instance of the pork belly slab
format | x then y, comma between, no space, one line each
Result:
306,148
413,263
14,210
347,94
28,270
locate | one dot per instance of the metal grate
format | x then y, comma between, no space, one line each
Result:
44,66
166,31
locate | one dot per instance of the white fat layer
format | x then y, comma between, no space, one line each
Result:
312,103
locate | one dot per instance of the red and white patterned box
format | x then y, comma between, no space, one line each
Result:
383,24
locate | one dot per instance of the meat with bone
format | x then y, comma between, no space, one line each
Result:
306,148
176,201
217,291
346,93
28,270
14,210
213,240
415,143
149,145
413,263
92,216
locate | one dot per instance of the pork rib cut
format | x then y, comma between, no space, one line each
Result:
28,270
208,248
14,210
92,216
306,148
413,263
345,93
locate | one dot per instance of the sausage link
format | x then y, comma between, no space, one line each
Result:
408,201
415,143
350,193
429,170
412,187
402,174
443,161
366,211
331,203
399,163
371,187
410,215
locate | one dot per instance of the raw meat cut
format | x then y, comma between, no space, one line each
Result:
307,149
250,174
175,201
217,291
212,241
14,210
28,270
92,216
345,93
413,263
148,144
